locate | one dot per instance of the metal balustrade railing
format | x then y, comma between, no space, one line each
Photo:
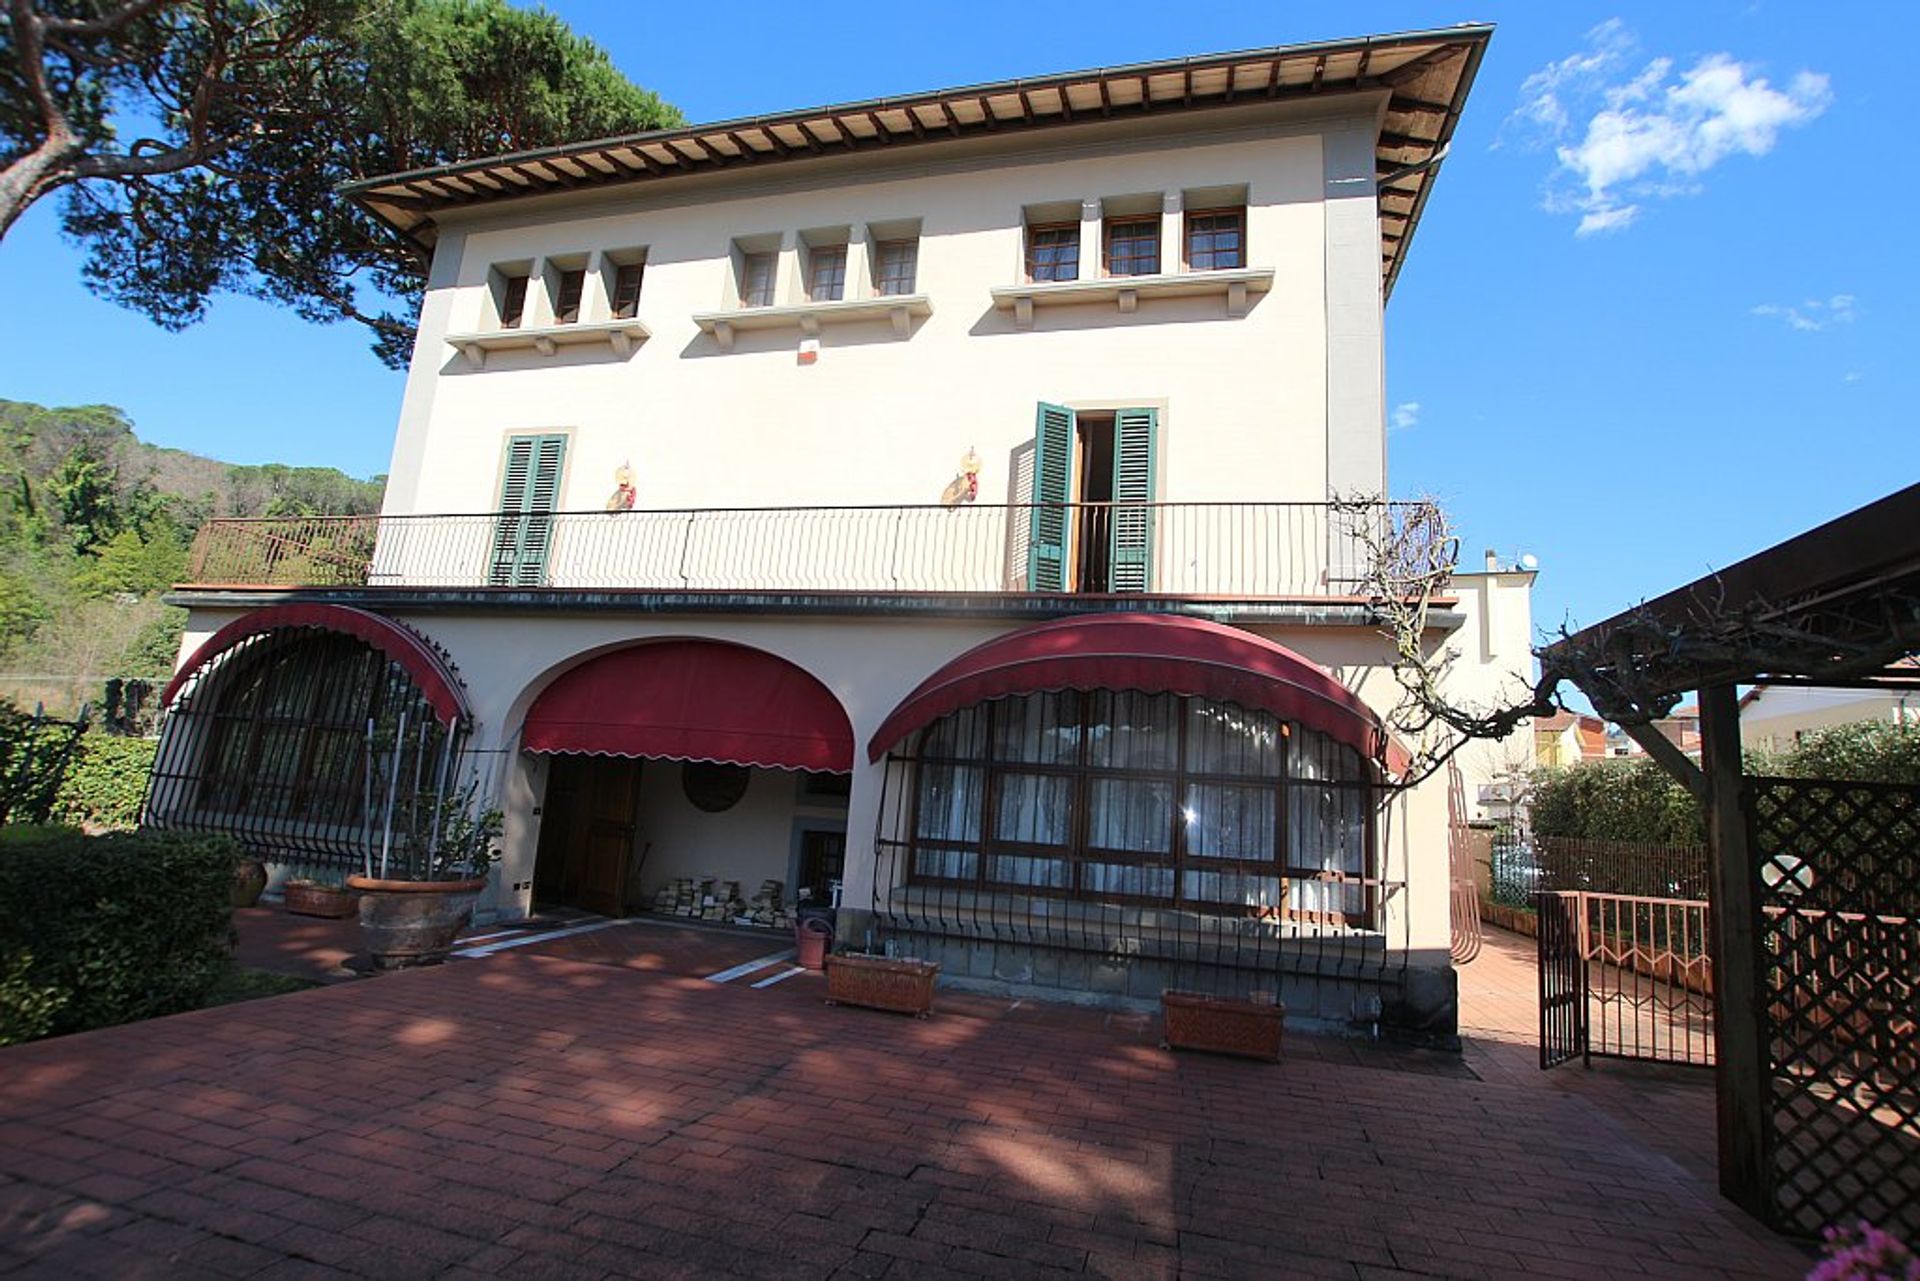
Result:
1223,549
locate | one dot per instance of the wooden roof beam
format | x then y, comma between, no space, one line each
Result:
880,131
1319,72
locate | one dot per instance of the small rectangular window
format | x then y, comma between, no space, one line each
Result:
827,273
1216,239
894,266
1053,252
756,279
566,301
626,290
1133,246
513,301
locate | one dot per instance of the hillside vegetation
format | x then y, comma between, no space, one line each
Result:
95,525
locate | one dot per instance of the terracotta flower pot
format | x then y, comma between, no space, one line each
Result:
1195,1021
882,983
305,898
249,880
408,923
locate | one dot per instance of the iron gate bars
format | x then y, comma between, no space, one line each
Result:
1624,976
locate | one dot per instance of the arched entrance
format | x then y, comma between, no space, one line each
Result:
695,777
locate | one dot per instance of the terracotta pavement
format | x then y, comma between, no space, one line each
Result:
593,1106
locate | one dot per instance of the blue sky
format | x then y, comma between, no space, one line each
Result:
1713,366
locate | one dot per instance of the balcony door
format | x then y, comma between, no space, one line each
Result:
1091,524
529,493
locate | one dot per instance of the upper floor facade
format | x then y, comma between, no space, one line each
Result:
1113,331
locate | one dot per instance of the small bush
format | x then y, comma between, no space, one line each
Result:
106,780
105,929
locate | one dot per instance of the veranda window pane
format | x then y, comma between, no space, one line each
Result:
1228,821
1038,873
1316,756
1037,729
950,803
946,865
1125,880
1033,809
1327,832
962,734
1260,894
1128,730
1130,814
1225,738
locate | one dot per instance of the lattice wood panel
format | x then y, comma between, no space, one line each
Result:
1837,886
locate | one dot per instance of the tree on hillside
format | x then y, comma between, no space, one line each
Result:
389,85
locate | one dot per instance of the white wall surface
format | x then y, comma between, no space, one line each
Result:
880,419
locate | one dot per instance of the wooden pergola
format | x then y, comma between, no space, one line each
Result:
1836,606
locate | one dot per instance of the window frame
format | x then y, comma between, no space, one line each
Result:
514,289
630,308
1078,851
1036,227
911,246
569,294
819,255
747,260
1187,234
1111,223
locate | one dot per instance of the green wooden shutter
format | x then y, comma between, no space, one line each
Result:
529,492
1130,533
1051,521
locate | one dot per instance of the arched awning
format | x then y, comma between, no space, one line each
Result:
1158,653
420,660
693,700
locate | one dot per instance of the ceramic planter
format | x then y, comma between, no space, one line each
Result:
407,923
249,879
304,898
882,983
1195,1021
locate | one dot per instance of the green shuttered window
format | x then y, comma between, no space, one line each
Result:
529,493
1051,518
1130,528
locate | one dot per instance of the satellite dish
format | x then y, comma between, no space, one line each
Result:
1529,562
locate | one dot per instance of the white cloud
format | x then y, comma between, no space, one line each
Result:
1406,415
1623,137
1813,314
1851,376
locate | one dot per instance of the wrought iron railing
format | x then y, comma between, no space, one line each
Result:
1220,549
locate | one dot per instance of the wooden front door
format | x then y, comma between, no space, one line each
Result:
586,834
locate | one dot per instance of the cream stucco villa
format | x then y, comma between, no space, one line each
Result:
921,504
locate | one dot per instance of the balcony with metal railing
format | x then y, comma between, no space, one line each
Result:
1222,551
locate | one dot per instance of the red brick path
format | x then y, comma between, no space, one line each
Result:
529,1115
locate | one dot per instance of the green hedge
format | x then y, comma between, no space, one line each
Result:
105,781
105,929
1636,800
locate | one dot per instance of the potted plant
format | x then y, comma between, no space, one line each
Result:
314,896
249,880
1222,1025
901,984
419,895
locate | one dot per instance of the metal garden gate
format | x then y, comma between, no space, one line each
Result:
1623,976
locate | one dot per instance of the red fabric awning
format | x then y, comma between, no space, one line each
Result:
693,700
1158,653
421,661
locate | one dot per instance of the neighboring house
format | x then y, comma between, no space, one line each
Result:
1775,718
923,502
1566,738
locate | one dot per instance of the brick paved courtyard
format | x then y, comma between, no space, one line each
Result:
591,1106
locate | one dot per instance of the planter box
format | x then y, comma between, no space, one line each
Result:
329,901
1250,1029
882,983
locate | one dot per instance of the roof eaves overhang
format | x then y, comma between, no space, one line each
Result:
1426,76
1836,605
